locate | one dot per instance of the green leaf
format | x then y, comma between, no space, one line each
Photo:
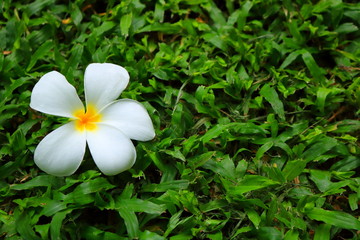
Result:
264,148
163,187
319,148
253,216
335,218
321,98
82,193
346,28
57,223
315,70
39,181
200,160
53,207
291,235
40,53
290,58
76,14
139,205
213,205
251,183
272,97
242,14
321,179
216,40
322,232
131,221
293,169
224,168
150,235
23,226
125,23
268,233
37,6
104,27
353,201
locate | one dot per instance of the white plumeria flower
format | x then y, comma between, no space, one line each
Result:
106,125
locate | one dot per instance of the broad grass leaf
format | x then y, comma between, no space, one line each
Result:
241,168
73,62
224,168
322,232
166,28
125,23
353,201
18,141
163,187
346,28
253,216
131,221
216,39
82,194
292,235
176,154
104,27
159,12
150,235
335,218
321,179
242,14
347,126
173,222
10,167
240,231
293,169
127,192
289,59
57,223
251,183
93,233
37,6
214,132
76,14
272,97
216,14
319,148
315,70
40,53
139,205
39,181
321,98
198,161
213,205
292,131
268,233
264,148
273,172
53,207
294,30
23,226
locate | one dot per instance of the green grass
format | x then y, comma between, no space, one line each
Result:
255,106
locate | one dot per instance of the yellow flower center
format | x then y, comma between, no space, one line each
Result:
87,120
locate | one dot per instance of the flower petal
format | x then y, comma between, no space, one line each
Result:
103,83
112,151
61,151
53,94
131,118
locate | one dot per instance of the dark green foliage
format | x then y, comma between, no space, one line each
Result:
255,106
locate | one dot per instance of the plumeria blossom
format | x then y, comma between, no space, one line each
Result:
106,125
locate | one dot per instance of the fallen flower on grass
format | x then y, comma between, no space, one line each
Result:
106,125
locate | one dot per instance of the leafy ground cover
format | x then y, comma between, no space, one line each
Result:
255,106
